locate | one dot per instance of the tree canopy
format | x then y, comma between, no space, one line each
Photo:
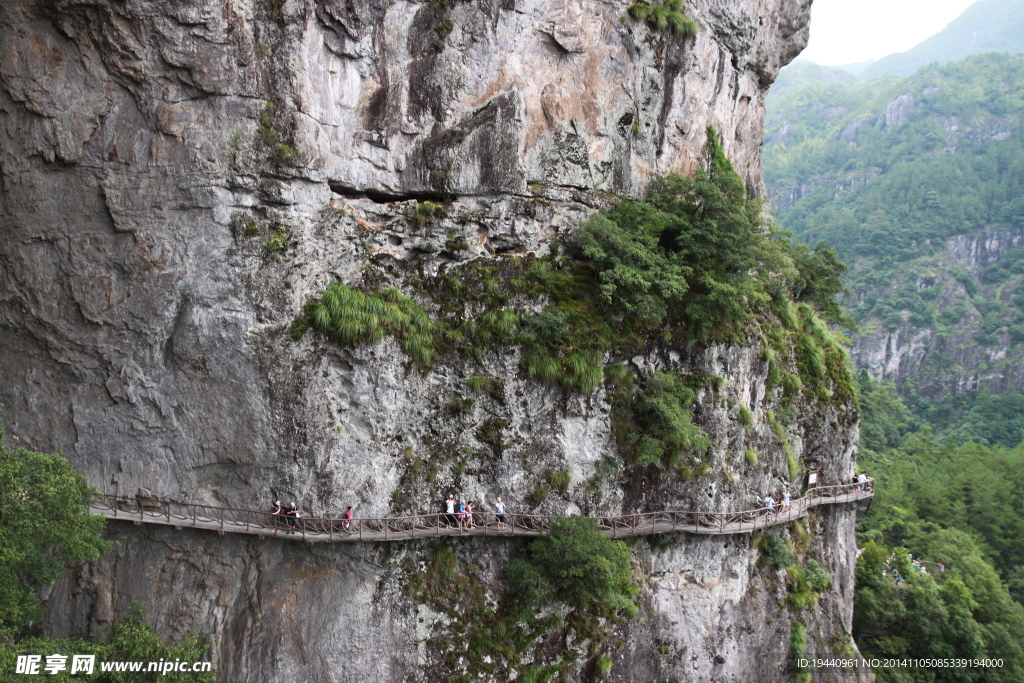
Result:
43,525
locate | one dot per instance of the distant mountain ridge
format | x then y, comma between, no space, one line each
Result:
985,26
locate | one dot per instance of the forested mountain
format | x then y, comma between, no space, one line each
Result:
985,26
919,185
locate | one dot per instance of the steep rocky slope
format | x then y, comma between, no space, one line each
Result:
178,178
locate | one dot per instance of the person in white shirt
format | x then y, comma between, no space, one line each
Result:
769,503
785,501
450,510
499,512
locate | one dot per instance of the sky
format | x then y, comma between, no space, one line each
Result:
849,31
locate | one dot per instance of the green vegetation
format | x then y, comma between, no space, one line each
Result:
579,566
667,15
574,585
130,638
888,191
272,134
426,211
806,583
278,241
45,528
653,427
478,384
943,502
775,552
355,318
43,510
751,456
797,647
693,263
559,479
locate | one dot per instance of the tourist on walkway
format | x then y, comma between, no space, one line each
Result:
277,516
462,514
292,515
769,503
347,524
469,515
861,480
785,501
450,511
499,511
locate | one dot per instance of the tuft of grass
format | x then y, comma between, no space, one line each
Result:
355,318
751,456
745,418
797,648
603,665
665,16
461,405
538,495
775,552
427,211
801,537
278,241
479,384
559,479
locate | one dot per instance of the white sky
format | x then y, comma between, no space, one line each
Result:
848,31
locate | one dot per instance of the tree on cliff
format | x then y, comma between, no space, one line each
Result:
43,525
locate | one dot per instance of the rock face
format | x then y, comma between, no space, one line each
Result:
975,342
177,178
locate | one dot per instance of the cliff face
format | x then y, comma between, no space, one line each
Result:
975,342
178,178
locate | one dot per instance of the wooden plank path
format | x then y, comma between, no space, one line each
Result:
313,530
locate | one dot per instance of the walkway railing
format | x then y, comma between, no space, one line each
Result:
236,520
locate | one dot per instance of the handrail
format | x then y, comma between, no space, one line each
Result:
240,520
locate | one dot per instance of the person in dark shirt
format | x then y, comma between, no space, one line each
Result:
292,515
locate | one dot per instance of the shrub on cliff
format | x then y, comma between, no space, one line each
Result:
665,16
43,525
655,427
579,566
684,256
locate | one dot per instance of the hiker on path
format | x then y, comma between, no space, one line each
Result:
769,503
469,515
450,510
462,514
347,524
277,516
785,501
499,511
292,515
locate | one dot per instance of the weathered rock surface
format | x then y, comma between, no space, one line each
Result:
144,323
952,353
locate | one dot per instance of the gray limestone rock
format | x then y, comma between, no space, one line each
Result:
177,178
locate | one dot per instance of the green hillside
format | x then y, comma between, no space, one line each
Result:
919,185
985,26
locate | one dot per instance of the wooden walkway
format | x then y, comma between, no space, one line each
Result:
312,530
